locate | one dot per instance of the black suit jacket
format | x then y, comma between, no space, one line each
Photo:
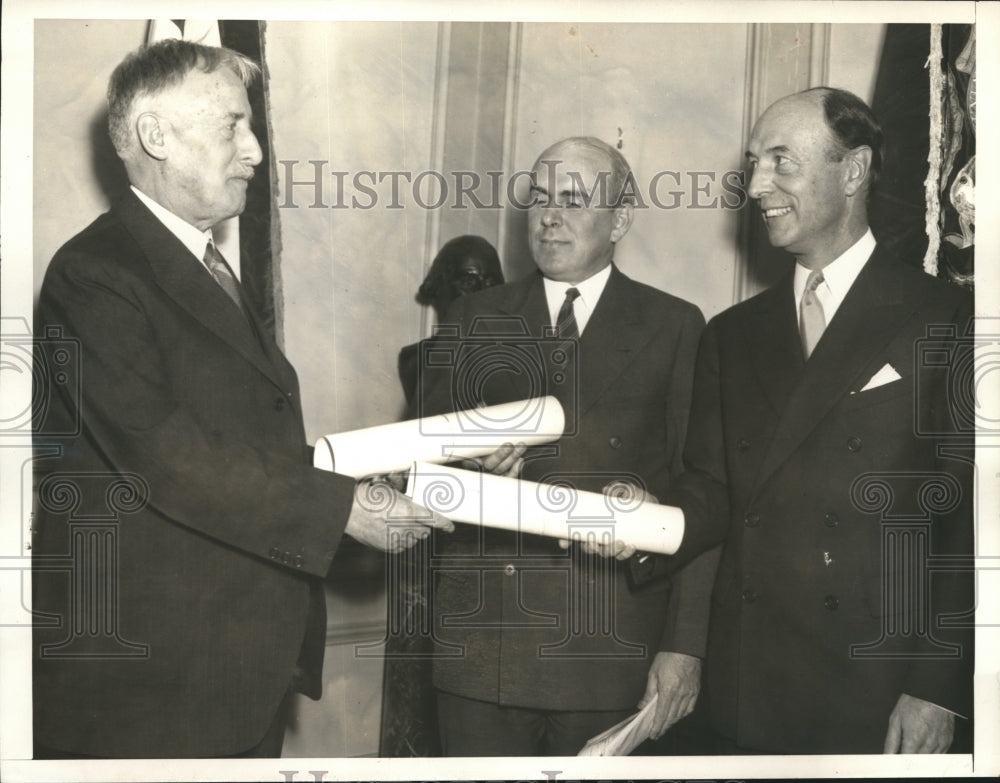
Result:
215,581
829,499
518,621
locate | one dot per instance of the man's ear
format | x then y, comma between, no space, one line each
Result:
623,221
859,163
150,133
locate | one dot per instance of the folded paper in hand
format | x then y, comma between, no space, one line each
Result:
622,738
885,375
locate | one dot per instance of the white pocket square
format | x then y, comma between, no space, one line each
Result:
886,375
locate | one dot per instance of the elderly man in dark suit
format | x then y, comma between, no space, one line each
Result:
541,647
828,453
209,603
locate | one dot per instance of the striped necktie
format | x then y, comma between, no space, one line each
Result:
223,274
566,319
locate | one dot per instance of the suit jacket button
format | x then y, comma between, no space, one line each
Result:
831,602
509,569
742,444
854,443
751,519
831,520
299,561
279,403
749,596
615,441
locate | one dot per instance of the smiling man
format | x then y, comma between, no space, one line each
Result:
809,452
185,629
539,647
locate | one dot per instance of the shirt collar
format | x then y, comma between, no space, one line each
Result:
192,238
839,275
590,292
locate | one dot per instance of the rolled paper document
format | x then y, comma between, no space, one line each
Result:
450,436
553,510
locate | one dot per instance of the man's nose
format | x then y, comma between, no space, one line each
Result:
250,148
551,216
760,183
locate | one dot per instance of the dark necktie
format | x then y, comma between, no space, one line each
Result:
223,274
566,319
812,320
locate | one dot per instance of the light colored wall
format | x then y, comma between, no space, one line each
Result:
75,166
855,51
349,275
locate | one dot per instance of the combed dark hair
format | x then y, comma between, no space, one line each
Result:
447,261
152,69
621,171
853,124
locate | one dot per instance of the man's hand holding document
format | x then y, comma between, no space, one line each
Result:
613,521
622,738
552,510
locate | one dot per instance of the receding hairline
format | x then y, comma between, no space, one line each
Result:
795,100
575,143
804,98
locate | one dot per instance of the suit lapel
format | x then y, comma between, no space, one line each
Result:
772,344
185,280
615,334
526,298
522,313
872,312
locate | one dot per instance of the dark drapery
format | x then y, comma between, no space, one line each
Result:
902,104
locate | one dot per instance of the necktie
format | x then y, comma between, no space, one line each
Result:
223,274
812,320
566,319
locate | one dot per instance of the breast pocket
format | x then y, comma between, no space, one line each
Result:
902,387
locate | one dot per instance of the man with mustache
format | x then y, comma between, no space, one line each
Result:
211,583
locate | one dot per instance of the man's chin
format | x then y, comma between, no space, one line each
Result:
554,256
236,206
778,238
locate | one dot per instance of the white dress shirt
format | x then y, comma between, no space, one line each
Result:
583,306
192,238
838,276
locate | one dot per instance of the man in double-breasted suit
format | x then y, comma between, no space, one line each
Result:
825,447
539,647
181,533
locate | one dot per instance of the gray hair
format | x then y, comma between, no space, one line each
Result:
151,69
